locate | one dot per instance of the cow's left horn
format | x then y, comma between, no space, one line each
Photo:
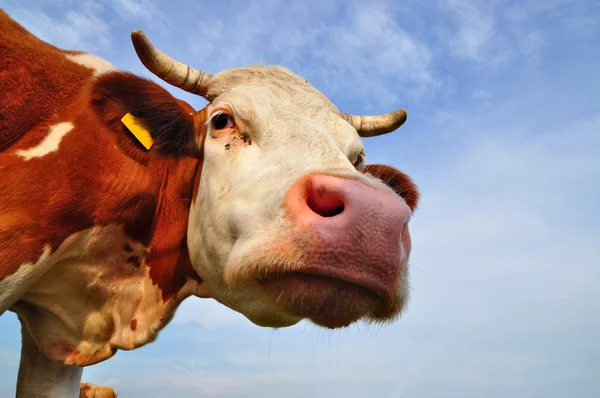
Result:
370,126
172,71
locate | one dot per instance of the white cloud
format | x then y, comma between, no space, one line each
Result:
577,18
480,94
474,31
583,25
372,55
494,34
531,44
135,8
360,49
76,28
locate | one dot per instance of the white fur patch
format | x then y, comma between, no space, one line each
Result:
13,286
95,296
49,144
90,61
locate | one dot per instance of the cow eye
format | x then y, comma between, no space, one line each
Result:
359,164
222,121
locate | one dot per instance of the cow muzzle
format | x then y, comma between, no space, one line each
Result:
355,258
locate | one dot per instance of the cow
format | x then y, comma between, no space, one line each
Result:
262,200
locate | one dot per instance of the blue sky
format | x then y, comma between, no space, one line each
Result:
503,138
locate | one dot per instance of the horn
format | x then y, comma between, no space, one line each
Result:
370,126
171,71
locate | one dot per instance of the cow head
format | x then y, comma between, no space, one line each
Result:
288,221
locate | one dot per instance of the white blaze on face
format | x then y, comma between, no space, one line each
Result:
97,64
49,144
289,130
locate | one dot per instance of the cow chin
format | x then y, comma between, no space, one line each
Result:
293,290
327,301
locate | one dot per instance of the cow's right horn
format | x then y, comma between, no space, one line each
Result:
172,71
370,126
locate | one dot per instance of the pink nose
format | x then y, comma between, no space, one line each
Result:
359,230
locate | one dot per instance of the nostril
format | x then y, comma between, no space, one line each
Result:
324,202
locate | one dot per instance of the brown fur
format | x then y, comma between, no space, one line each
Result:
36,79
88,182
401,183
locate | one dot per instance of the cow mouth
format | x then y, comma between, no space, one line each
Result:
327,301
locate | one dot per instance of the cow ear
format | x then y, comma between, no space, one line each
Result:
169,121
398,181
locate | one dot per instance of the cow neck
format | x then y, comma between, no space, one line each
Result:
166,238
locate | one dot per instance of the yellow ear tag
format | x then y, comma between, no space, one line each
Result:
138,130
